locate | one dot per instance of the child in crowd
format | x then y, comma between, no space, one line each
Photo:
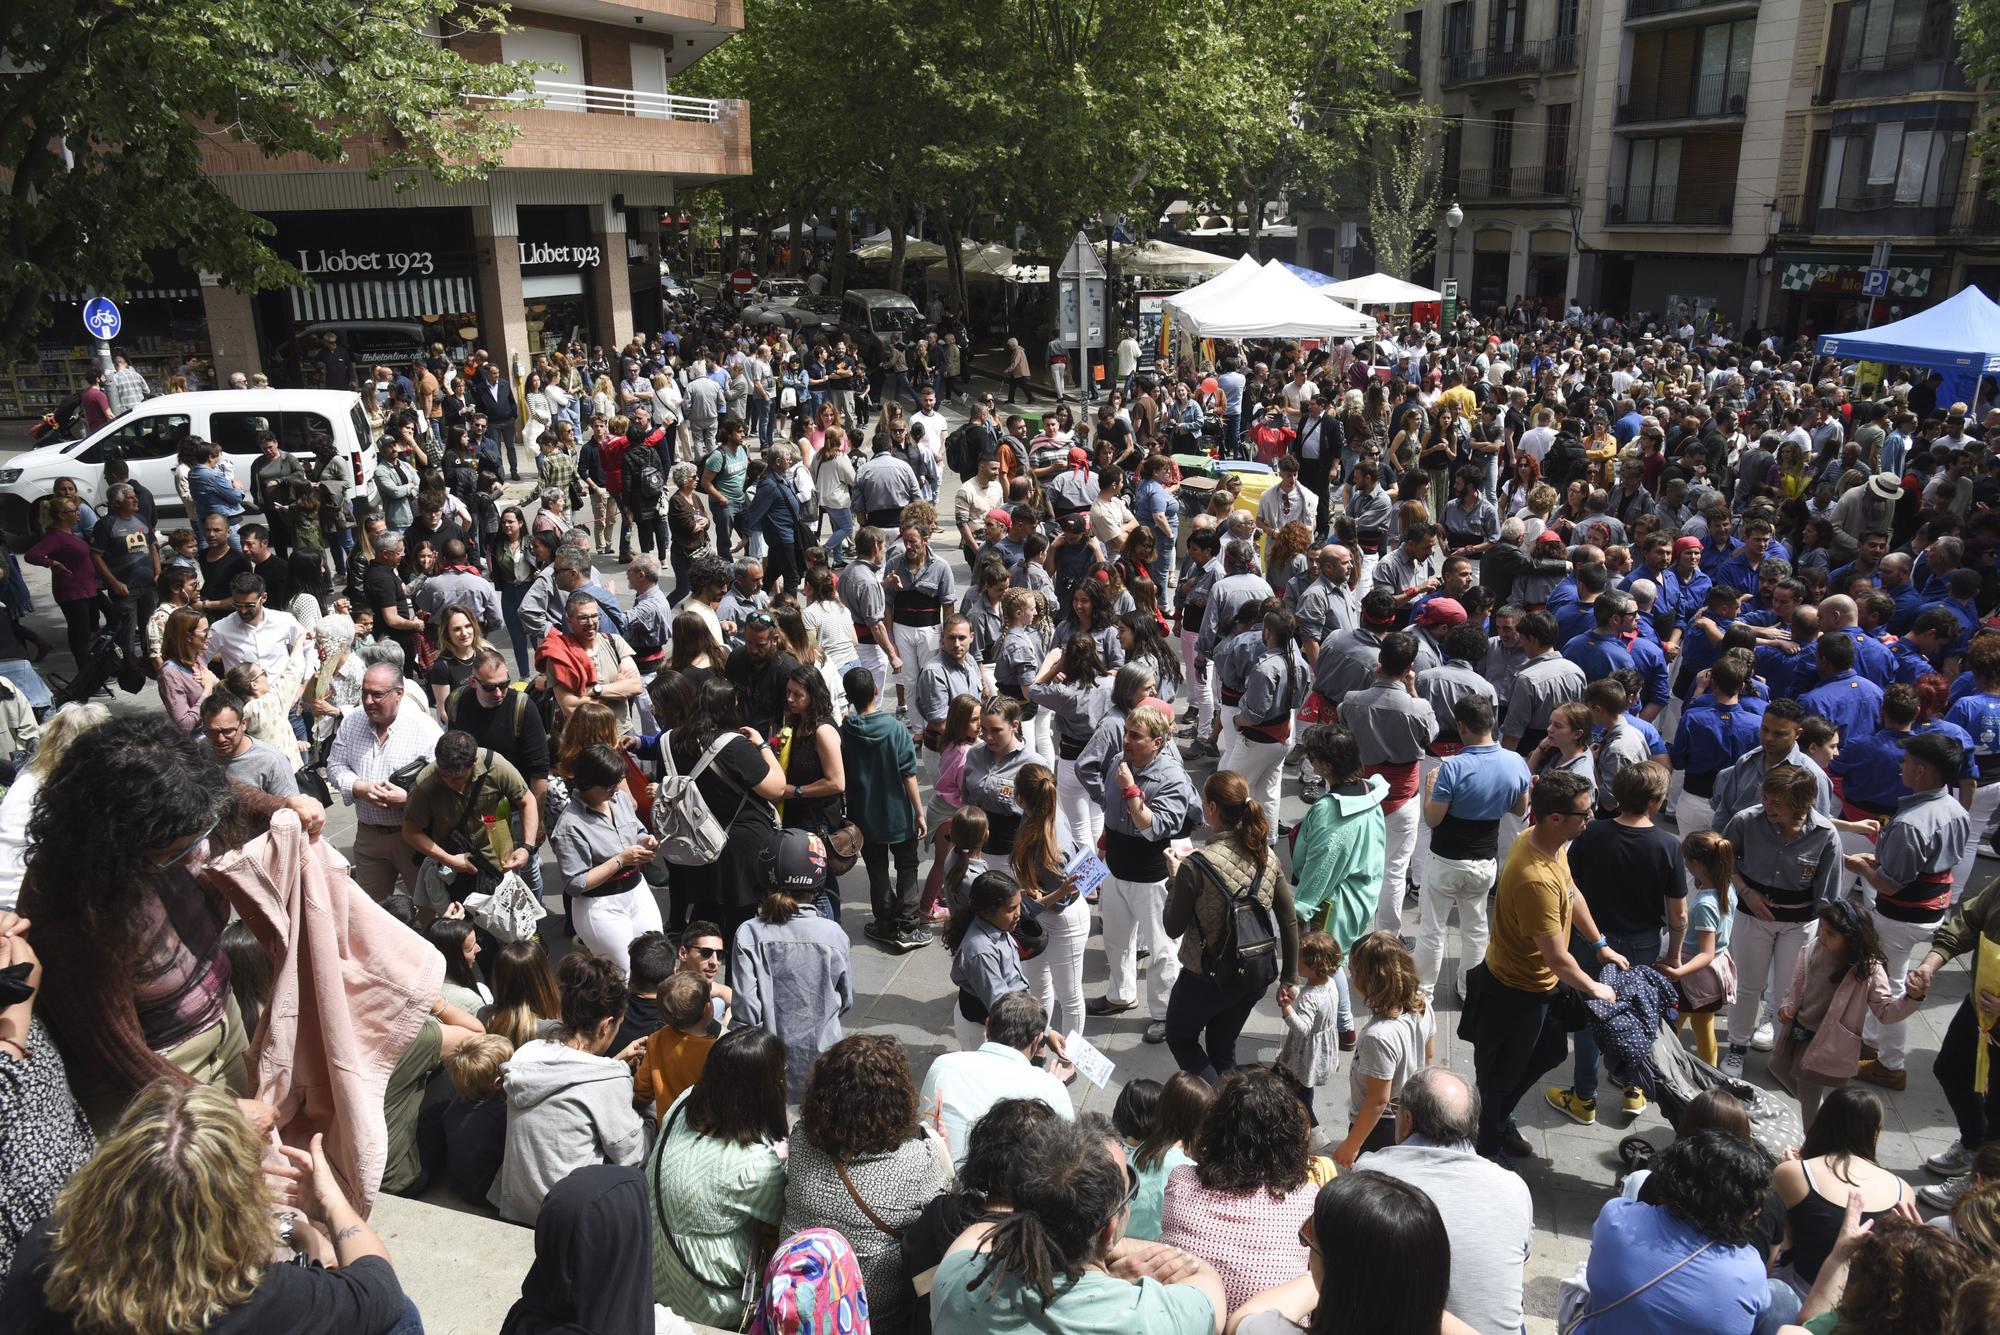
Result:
1177,1119
653,960
676,1052
965,836
1396,1041
475,1121
182,549
1711,863
961,730
1310,1051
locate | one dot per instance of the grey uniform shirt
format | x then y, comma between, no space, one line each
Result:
1502,666
1346,663
1225,598
1541,685
1234,658
861,590
942,679
1618,746
1166,791
467,588
1020,658
1927,835
1026,574
1370,511
987,965
1741,786
1077,707
1110,649
1391,726
1323,609
1397,571
1443,686
1803,871
989,779
1277,685
884,482
1101,754
987,627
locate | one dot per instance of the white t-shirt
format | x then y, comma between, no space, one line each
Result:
1536,442
833,626
935,431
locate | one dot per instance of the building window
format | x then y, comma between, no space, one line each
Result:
1889,34
1889,165
1652,180
1413,45
1506,25
1458,29
1555,151
1566,32
1722,76
1503,151
1454,151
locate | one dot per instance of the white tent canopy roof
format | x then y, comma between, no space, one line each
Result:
1150,257
1379,289
1263,301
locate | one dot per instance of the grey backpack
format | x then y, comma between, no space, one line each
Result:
689,833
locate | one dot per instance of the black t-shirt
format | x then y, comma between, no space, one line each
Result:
762,686
383,588
277,577
216,576
926,1240
357,1299
1627,875
450,673
642,1020
475,1141
511,729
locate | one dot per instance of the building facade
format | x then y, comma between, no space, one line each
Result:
563,240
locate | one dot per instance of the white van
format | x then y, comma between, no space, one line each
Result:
149,437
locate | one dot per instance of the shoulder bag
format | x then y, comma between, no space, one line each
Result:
867,1211
746,1290
1575,1292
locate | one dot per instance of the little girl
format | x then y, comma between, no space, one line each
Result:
1711,862
966,861
1310,1051
1840,977
1396,1041
985,962
961,730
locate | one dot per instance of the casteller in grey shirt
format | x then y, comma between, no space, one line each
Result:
260,766
1489,1218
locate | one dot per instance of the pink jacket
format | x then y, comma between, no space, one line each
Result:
1835,1050
351,989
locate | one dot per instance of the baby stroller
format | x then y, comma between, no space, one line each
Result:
1676,1076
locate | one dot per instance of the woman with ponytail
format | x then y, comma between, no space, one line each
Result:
1051,900
1215,993
1046,1262
1075,686
985,962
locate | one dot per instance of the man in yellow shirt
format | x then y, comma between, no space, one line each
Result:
1507,1016
1458,396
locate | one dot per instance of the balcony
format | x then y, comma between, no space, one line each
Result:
1670,206
1721,96
1514,184
1511,62
617,129
617,102
1662,13
1974,213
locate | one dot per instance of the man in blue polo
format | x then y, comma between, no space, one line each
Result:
1922,647
1896,582
1601,651
1463,803
1843,696
1712,735
1740,568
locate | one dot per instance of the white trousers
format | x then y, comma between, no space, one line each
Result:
1402,842
918,645
1765,954
607,923
869,654
969,1035
1903,944
1420,860
1084,817
1984,801
1131,912
1694,813
1056,975
1452,884
1039,733
1262,765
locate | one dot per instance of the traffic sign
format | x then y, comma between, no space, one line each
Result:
101,318
741,281
1875,282
1081,261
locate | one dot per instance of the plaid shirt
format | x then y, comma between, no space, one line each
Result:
557,471
358,754
126,389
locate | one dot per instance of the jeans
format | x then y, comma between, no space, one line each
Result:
1977,1114
411,1322
129,615
895,907
722,516
511,598
680,561
843,525
1204,1021
1783,1311
1638,948
1514,1043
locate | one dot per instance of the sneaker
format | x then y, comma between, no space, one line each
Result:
1888,1077
879,933
1347,1040
915,938
1580,1110
1156,1031
1106,1006
1732,1062
1516,1144
1765,1038
1941,1196
1502,1158
1950,1162
1635,1100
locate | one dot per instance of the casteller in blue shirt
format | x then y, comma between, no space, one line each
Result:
1844,698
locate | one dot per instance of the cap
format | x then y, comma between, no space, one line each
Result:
1001,515
796,862
1886,486
1686,545
1441,612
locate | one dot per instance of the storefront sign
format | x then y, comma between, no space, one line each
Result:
572,257
395,263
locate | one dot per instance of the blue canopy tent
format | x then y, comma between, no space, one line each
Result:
1959,338
1310,277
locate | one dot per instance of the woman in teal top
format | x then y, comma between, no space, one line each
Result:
1177,1118
715,1184
1337,859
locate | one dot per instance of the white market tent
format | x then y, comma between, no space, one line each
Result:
1263,301
1379,289
1164,257
913,250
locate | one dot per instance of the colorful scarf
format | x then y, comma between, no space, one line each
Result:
812,1287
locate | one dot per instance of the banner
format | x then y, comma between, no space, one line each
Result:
1152,328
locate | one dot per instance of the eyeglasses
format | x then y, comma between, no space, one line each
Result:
706,952
1131,1183
189,847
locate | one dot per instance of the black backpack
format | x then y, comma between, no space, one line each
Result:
959,452
644,483
1245,954
1566,459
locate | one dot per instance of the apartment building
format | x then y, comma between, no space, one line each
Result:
1876,153
562,240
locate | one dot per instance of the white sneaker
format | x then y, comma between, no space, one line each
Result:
1765,1038
1941,1196
1951,1161
1732,1063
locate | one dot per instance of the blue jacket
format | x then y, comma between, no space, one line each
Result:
775,508
213,493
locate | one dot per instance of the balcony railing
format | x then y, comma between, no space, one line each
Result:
1523,183
1710,97
1504,62
1670,206
1648,9
618,102
1974,213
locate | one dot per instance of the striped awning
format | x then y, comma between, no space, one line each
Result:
398,298
137,294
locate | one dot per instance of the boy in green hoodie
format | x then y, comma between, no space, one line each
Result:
882,799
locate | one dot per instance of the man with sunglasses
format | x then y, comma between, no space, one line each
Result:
759,669
1508,1016
500,719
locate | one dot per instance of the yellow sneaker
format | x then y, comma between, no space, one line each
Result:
1579,1110
1635,1100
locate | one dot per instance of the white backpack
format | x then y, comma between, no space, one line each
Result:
689,833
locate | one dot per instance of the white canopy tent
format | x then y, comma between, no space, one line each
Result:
1263,301
1164,257
913,250
1379,289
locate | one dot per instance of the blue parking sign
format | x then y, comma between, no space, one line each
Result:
101,318
1874,282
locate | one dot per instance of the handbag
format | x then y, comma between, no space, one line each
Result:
843,847
310,784
1711,987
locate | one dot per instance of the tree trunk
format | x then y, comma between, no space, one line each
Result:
796,216
954,265
733,257
898,244
843,240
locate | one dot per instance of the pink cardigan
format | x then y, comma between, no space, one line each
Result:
1835,1050
352,987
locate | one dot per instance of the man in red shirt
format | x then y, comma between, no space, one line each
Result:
96,404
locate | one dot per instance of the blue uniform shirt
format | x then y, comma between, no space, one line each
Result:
1979,715
1713,737
1599,654
1909,605
1849,701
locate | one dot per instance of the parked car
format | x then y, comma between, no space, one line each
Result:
779,292
372,343
872,317
759,315
149,438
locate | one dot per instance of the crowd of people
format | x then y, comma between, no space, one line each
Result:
1653,664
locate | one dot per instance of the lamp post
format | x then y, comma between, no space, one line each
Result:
1453,216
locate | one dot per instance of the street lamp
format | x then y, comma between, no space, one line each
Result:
1453,216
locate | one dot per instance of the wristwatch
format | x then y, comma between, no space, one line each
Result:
596,690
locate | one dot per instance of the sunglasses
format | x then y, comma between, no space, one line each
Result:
706,952
1306,1238
1131,1183
191,846
760,619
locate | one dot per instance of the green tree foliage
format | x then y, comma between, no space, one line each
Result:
105,106
1979,40
1403,198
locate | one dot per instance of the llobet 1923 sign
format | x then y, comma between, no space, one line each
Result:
542,253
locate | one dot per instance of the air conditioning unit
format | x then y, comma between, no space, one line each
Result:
1736,105
1616,213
